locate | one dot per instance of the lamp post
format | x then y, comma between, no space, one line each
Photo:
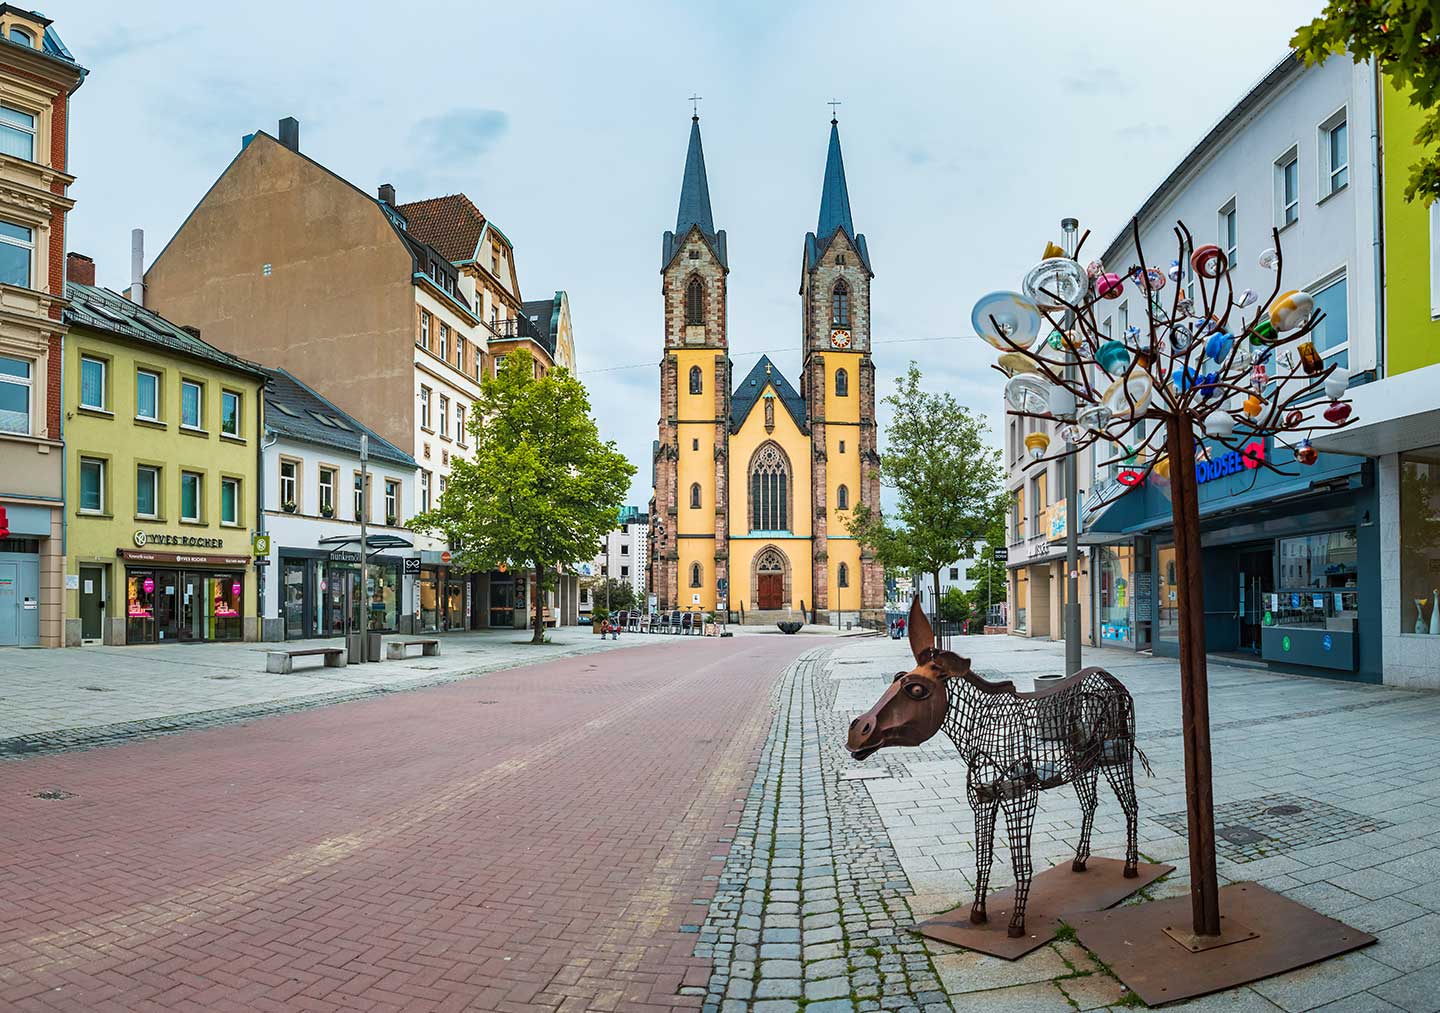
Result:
364,552
1068,229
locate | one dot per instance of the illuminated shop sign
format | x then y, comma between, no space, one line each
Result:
1231,463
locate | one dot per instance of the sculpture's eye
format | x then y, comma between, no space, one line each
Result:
917,690
899,676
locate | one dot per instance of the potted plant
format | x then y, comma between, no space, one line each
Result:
598,620
288,506
327,510
390,520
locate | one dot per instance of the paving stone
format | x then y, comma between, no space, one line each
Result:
829,988
1042,997
778,988
1416,992
1303,990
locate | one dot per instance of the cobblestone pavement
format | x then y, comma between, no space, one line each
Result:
1325,791
545,838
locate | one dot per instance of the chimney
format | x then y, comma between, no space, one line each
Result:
79,267
387,194
137,266
290,133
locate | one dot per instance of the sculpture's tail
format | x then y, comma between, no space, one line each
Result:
1144,761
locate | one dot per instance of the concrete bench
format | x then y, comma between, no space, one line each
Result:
283,662
396,650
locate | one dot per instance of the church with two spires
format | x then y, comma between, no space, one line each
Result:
755,481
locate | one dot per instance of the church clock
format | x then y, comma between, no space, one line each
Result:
840,337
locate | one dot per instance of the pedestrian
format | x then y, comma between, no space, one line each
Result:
900,625
614,629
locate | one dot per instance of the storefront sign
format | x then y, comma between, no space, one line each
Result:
261,545
1002,555
1231,463
133,556
144,538
412,565
1143,594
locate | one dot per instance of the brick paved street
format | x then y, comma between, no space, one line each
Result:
543,837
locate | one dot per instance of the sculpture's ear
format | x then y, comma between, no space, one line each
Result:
922,637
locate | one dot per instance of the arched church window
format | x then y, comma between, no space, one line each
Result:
842,498
695,495
840,305
694,302
769,490
842,383
697,382
842,575
695,574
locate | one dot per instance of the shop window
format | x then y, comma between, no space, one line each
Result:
147,395
147,492
230,413
1420,542
190,490
17,131
17,250
230,501
192,404
92,383
1167,625
1020,592
15,384
1114,606
92,485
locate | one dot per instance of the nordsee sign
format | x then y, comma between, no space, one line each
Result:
1231,463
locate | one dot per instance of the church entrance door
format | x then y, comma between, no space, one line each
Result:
771,591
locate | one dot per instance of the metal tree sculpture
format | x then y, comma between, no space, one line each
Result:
1191,372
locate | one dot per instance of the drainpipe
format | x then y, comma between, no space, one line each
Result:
260,448
1377,216
137,266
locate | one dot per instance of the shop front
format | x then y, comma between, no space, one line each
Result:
183,597
442,595
316,585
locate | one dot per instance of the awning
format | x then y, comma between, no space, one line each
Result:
1400,412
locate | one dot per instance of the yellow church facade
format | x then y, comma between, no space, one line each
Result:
755,481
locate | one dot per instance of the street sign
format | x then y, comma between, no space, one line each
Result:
1002,555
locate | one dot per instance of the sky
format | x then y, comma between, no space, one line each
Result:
969,130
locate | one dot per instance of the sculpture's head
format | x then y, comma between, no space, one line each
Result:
912,708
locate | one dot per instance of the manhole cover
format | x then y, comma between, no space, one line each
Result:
52,794
1240,835
222,678
96,689
1284,810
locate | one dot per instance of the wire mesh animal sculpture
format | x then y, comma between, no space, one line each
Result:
1015,745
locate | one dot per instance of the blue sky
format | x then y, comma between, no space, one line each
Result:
969,131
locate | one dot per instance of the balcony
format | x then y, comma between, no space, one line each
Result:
520,329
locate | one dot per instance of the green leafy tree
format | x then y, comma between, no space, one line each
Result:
946,478
989,574
542,489
621,594
955,606
1401,36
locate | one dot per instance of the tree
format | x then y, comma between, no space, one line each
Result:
946,476
1401,36
613,594
990,576
955,606
542,489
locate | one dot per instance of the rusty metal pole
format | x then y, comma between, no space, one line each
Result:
1194,683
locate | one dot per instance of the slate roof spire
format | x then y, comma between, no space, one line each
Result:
694,211
834,195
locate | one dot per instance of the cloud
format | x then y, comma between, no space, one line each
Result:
123,41
1099,81
459,136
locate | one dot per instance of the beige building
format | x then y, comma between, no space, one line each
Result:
37,77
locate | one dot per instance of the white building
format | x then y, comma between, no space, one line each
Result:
313,500
956,575
622,555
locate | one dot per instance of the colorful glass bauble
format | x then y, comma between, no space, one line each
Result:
1129,396
1208,261
1056,340
1094,269
1220,425
1219,346
1247,298
1269,260
1182,336
1132,336
1110,286
1015,363
1037,443
1070,433
1184,305
1174,270
1291,309
1252,406
1095,417
1262,332
1055,281
1294,418
1113,357
1338,412
1028,393
1017,320
1310,360
1337,383
1305,453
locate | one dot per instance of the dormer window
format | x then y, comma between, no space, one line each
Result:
839,260
21,36
694,254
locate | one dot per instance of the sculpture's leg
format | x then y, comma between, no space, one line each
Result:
984,855
1085,788
1019,822
1122,780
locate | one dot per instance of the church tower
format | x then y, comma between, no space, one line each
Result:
838,385
689,549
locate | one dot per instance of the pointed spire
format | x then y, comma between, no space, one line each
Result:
695,188
834,197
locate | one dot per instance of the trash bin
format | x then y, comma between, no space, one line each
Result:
374,646
353,644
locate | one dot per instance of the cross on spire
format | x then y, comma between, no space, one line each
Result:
695,105
832,104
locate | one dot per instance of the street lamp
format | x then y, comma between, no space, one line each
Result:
1068,229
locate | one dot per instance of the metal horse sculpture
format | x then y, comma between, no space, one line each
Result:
1015,745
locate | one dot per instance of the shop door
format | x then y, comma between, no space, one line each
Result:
293,595
771,593
92,603
9,604
167,611
1257,579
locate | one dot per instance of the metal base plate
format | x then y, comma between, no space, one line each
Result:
1231,931
1055,894
1134,943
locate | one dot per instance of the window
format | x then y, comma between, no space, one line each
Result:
1334,155
92,485
230,413
842,446
842,575
147,395
1038,503
1287,188
362,496
21,36
444,350
460,424
425,408
189,496
695,443
1316,562
769,481
1228,233
459,353
624,571
392,501
1419,546
444,416
697,380
147,491
17,133
954,573
289,484
1124,315
842,498
192,404
842,383
694,302
840,305
230,501
694,495
839,260
695,574
17,246
14,395
327,492
1332,335
1017,514
495,263
92,383
624,549
424,329
424,490
1434,264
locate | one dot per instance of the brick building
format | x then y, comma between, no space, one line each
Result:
755,482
